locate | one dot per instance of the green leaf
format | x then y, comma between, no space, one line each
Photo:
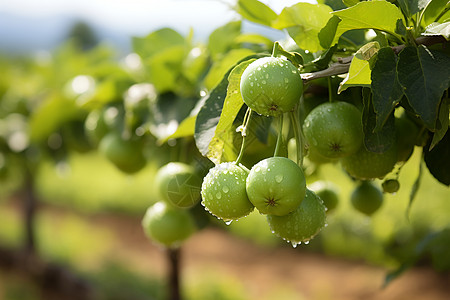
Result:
442,123
185,129
167,113
156,42
303,22
252,38
438,29
256,11
358,75
424,75
327,33
411,7
386,89
368,51
380,15
436,8
323,61
221,67
383,139
350,3
223,38
438,160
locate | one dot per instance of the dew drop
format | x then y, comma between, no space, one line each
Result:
257,169
251,83
225,189
286,80
218,195
279,178
267,76
228,222
294,244
264,82
306,242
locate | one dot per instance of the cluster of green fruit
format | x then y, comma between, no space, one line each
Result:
169,222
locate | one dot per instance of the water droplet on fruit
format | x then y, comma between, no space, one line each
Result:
306,242
251,92
225,189
267,76
218,195
279,178
264,82
294,244
228,222
257,169
251,83
286,80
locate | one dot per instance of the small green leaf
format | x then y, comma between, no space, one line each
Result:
415,187
438,29
350,3
386,89
424,75
327,33
358,75
383,139
251,38
255,11
368,51
435,9
323,61
303,22
438,160
380,15
443,122
400,27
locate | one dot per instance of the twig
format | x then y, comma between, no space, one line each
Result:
343,64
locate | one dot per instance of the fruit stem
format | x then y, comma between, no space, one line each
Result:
298,135
280,136
330,92
243,129
173,255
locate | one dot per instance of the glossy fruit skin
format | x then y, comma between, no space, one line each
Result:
126,155
334,129
406,137
276,186
303,223
390,186
167,225
271,86
178,184
367,198
366,165
326,191
223,192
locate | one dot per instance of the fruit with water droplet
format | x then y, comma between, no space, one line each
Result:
167,225
281,87
367,197
223,192
303,223
179,184
276,185
334,129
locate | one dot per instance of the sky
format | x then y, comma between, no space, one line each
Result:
39,22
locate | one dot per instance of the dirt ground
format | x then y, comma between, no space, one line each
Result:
313,276
265,272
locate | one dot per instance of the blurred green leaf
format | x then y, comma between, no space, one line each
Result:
221,40
221,67
327,33
443,122
304,21
156,42
255,11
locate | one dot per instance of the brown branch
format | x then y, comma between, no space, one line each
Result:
343,64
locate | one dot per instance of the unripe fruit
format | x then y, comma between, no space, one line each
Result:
276,186
367,198
406,136
365,164
326,191
167,225
303,223
271,86
223,192
179,184
126,155
334,129
390,186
